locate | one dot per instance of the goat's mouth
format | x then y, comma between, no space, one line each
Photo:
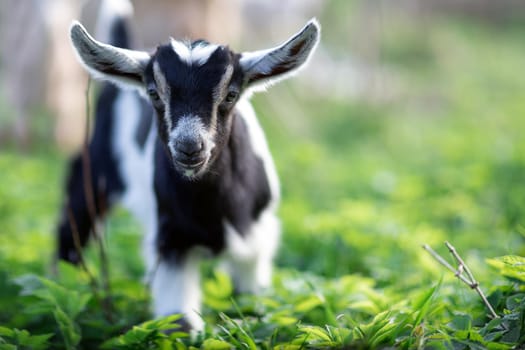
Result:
191,168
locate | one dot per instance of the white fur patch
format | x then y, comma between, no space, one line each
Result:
260,147
135,164
198,55
250,258
201,53
176,289
136,169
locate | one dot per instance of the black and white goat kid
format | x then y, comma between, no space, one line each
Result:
202,180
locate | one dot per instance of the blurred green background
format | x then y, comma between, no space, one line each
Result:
406,128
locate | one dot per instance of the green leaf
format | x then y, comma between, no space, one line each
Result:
6,332
422,304
8,346
470,335
22,339
498,346
308,304
461,322
288,347
515,301
284,320
385,331
510,266
220,286
70,333
315,333
216,344
218,291
137,335
163,324
72,302
29,284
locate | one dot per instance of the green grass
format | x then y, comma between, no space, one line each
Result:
365,183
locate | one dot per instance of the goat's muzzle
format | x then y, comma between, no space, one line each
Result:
190,157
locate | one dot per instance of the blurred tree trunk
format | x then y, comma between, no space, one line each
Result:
66,80
40,69
23,53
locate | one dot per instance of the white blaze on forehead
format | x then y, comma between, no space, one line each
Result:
198,55
181,50
202,53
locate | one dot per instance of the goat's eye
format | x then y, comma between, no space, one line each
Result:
232,95
153,94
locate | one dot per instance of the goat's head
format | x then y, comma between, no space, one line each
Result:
193,86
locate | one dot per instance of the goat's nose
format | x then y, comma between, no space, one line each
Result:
190,148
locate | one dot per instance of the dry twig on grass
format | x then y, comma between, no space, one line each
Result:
462,272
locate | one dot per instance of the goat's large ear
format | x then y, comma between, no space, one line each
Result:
269,66
105,62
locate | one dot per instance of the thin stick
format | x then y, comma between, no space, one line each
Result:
445,263
76,240
461,264
462,267
92,209
474,284
86,162
104,262
102,300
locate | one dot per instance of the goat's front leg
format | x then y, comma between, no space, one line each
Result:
249,259
175,288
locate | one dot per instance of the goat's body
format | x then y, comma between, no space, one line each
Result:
199,178
230,212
